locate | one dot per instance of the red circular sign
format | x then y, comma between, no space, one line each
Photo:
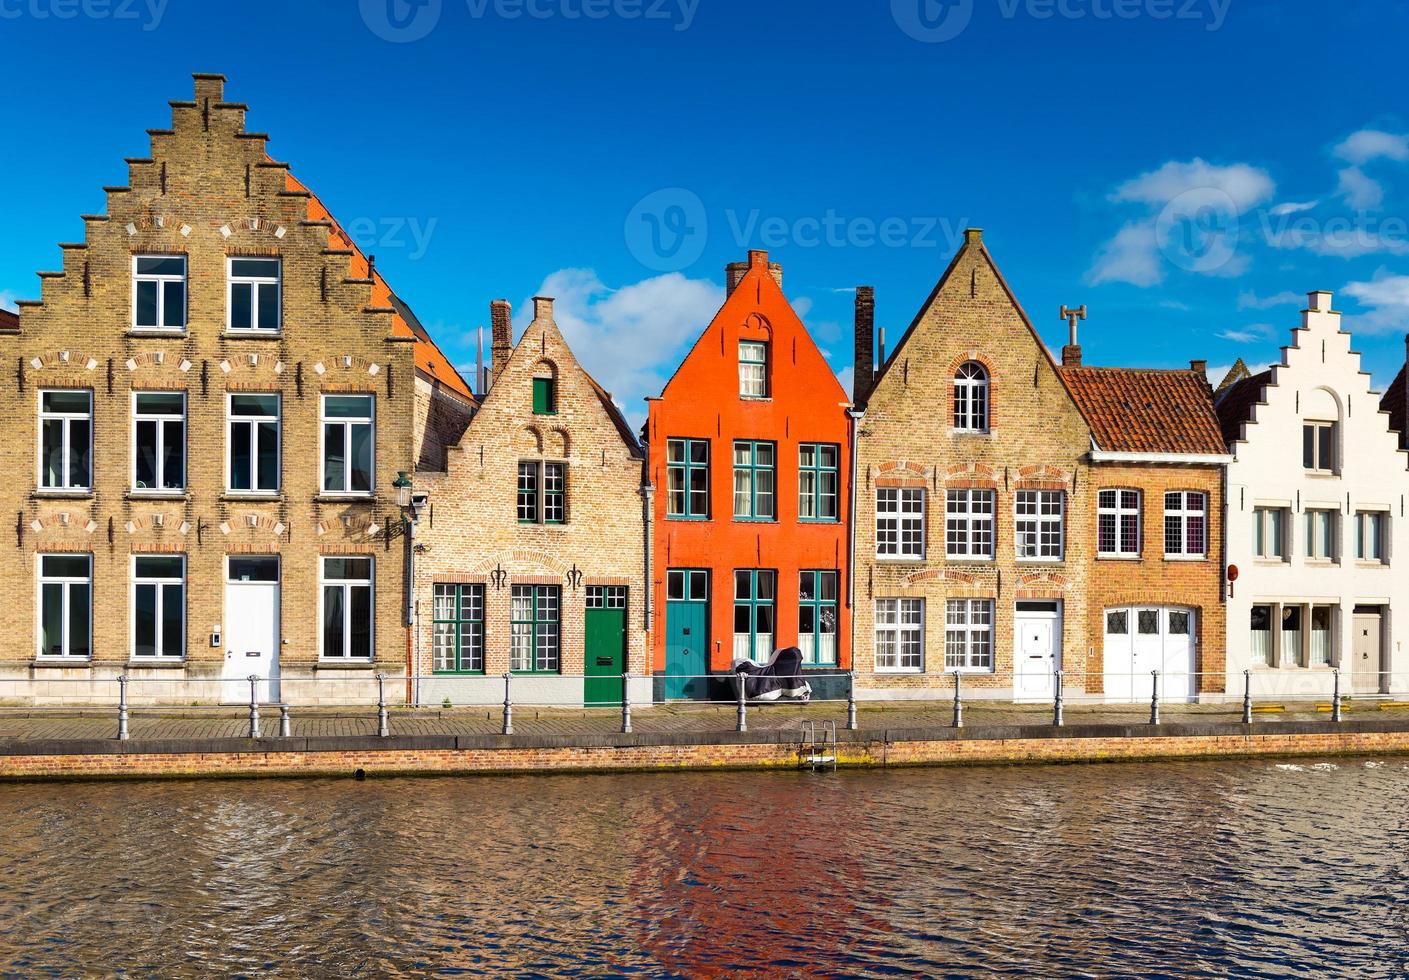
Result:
1232,573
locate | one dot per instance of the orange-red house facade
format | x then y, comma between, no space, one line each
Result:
749,446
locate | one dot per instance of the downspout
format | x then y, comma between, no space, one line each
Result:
855,418
408,530
648,610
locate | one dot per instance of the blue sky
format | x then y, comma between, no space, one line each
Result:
1186,168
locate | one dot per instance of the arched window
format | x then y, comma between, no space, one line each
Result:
971,398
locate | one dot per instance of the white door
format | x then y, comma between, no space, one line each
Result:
1140,640
251,628
1178,680
1037,653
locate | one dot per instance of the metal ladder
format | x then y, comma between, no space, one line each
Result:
819,745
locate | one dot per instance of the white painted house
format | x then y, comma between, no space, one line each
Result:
1316,522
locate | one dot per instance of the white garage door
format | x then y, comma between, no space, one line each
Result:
1142,639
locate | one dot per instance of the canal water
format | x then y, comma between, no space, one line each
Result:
1201,869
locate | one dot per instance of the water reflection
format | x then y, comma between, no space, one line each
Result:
1185,870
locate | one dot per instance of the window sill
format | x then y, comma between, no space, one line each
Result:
179,333
164,663
158,495
1322,563
56,493
345,663
900,559
458,673
236,496
1371,564
345,498
234,334
1120,557
1321,474
71,662
1271,562
969,559
754,520
1186,558
899,670
819,520
755,398
1039,561
544,673
971,432
684,518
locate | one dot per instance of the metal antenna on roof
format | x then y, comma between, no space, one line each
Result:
1071,316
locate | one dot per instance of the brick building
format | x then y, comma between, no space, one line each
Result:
208,406
748,448
533,555
972,526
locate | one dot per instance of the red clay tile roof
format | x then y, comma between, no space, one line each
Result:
1235,403
9,320
1137,410
1393,402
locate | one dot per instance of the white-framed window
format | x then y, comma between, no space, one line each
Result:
900,635
252,422
1038,524
65,607
1291,650
1269,533
1321,526
158,607
1318,447
254,298
971,398
1118,523
66,439
753,369
159,292
1371,535
968,634
159,441
1185,524
968,524
900,522
346,613
1322,635
349,444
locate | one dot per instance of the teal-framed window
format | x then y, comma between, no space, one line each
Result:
457,640
754,476
817,481
542,492
817,618
534,628
545,396
687,479
755,607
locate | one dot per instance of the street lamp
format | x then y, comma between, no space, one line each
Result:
402,483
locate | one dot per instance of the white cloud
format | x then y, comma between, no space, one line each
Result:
1246,185
1249,300
1373,144
1131,256
7,300
1386,300
845,376
629,338
1360,190
802,306
1292,207
1250,334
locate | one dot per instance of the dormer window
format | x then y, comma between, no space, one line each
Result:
971,398
545,396
753,369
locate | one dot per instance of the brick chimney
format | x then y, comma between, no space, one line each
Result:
1071,355
501,319
864,367
734,272
1200,368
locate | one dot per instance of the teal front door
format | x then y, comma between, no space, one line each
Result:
604,647
686,633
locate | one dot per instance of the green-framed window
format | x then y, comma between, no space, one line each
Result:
755,607
817,481
457,644
687,479
545,396
542,492
817,618
754,497
534,629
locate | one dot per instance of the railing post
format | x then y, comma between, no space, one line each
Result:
851,700
1247,697
1057,703
742,681
958,703
626,702
508,706
284,728
1336,697
122,707
1154,697
254,706
383,730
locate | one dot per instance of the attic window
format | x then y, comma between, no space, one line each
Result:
545,392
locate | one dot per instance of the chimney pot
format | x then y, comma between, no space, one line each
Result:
543,307
864,366
501,321
733,275
1071,355
734,272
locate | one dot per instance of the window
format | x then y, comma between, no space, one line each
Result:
66,606
900,634
1371,529
1269,529
968,524
817,618
971,398
753,481
545,396
1118,622
457,643
254,443
1292,632
254,300
754,606
1318,447
542,492
687,583
1185,524
817,486
753,369
968,634
1261,624
159,437
687,478
900,522
1039,524
1321,636
347,608
533,636
66,440
1118,523
1321,534
159,607
159,292
349,453
605,597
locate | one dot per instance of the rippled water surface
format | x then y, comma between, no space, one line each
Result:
1202,869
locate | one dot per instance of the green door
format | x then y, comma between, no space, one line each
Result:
604,649
686,633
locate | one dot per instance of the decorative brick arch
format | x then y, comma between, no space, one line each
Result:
1042,585
756,326
70,359
1042,477
975,476
899,473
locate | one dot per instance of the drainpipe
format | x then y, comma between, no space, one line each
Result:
855,418
408,529
648,609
